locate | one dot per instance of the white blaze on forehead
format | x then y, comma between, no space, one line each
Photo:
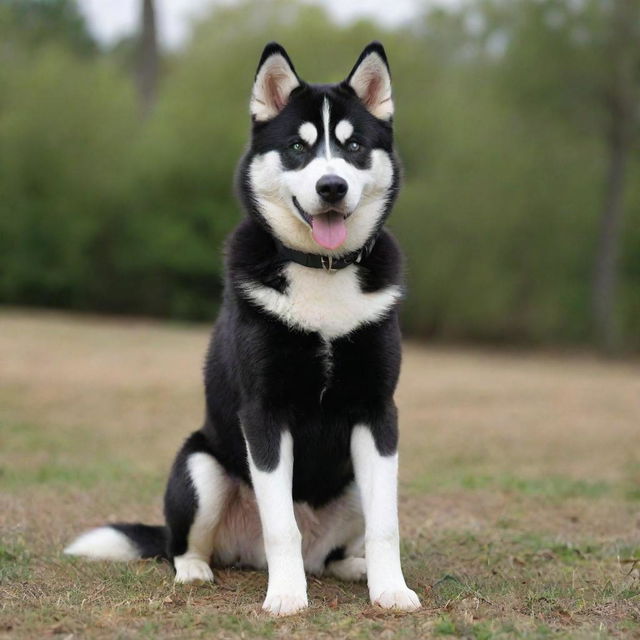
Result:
308,133
344,130
326,112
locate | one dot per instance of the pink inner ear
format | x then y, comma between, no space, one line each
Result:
373,89
274,84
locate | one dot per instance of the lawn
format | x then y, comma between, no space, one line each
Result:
519,506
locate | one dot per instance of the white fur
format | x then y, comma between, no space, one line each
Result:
287,587
103,543
372,83
274,83
302,183
344,130
192,569
331,304
308,133
377,478
326,120
349,569
366,198
338,524
238,538
212,486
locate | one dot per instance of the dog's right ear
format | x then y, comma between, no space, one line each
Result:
275,79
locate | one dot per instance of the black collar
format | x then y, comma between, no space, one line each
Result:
328,263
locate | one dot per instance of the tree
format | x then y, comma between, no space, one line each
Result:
581,61
30,23
148,59
621,95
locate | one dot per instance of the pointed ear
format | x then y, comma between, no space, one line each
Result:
275,80
371,80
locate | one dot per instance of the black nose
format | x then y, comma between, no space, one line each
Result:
332,188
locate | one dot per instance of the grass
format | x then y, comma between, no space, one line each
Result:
520,482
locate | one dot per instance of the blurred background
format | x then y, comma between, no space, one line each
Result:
121,124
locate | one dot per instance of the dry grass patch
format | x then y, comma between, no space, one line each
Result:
520,500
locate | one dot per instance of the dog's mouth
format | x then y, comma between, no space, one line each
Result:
328,228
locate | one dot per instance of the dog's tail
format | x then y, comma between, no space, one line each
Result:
121,542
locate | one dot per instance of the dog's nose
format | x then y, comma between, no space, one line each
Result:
332,188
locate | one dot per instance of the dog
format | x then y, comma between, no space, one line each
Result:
295,468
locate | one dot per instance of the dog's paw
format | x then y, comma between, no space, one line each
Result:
285,604
192,570
402,599
349,569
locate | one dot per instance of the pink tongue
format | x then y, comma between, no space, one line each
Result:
329,229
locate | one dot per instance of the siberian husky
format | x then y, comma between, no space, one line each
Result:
295,466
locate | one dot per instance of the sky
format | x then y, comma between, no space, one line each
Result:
109,20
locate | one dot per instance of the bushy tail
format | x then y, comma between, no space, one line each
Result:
121,542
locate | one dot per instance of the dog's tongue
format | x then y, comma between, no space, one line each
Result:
329,229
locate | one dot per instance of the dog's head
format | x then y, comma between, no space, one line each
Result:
321,171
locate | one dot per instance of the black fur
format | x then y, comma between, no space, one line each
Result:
151,541
261,376
272,376
305,105
180,500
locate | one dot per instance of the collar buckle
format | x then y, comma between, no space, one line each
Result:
327,264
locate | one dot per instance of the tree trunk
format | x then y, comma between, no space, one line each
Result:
148,63
621,107
607,257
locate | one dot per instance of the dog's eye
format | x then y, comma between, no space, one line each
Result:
298,147
352,145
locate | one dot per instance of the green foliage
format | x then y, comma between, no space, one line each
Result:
34,22
497,125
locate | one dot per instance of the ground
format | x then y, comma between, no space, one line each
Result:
520,492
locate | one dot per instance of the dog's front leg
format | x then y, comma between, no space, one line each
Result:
377,479
287,590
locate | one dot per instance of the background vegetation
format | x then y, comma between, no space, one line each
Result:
516,121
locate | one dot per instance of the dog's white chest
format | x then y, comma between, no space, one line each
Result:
331,304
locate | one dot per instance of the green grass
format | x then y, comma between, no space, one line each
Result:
507,533
14,561
551,487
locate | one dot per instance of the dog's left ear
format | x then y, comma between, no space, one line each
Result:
275,79
370,78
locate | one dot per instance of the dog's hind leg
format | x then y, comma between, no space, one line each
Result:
196,496
333,540
349,568
350,565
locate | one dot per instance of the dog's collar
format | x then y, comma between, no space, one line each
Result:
328,263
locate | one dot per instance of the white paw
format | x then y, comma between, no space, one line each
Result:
285,604
192,570
349,569
403,599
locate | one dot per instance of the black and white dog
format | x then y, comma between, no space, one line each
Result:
295,467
